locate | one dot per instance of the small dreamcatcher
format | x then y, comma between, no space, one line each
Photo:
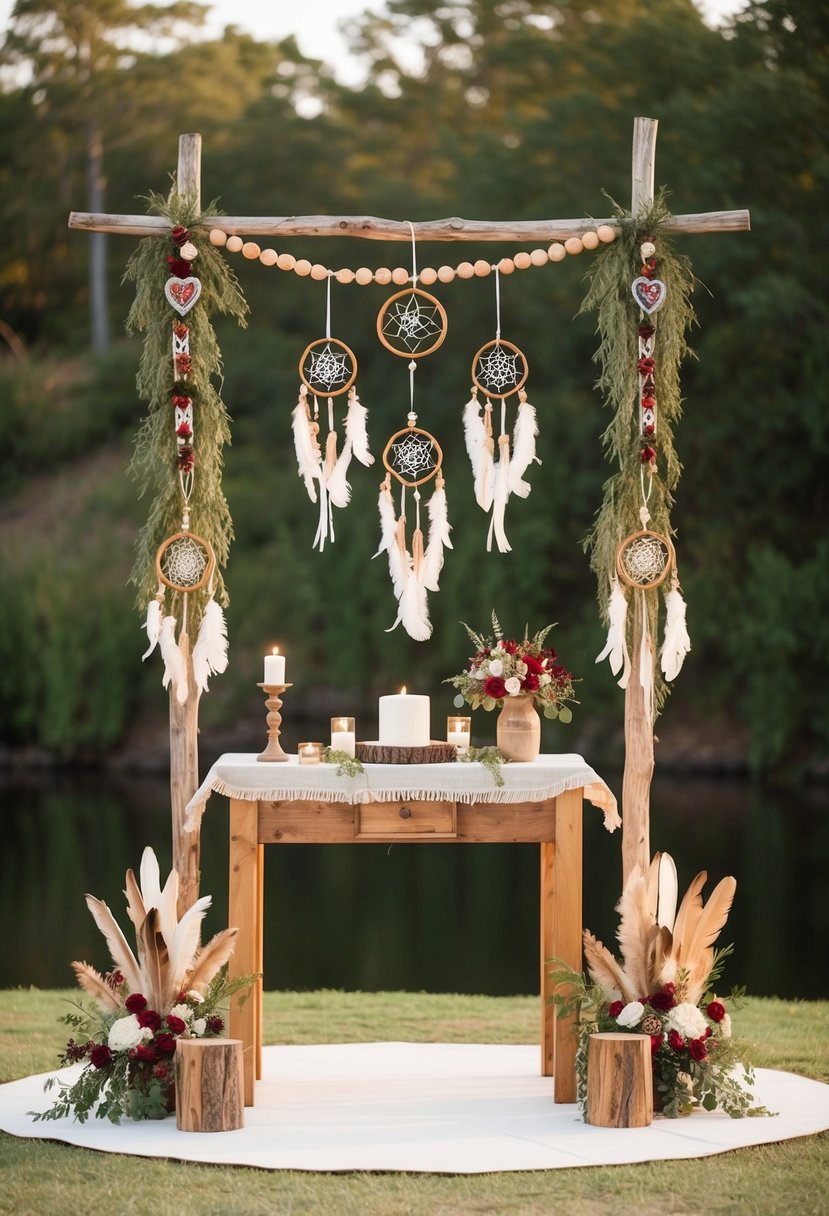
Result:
328,368
499,370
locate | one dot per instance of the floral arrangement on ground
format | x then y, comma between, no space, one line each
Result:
665,988
502,668
171,989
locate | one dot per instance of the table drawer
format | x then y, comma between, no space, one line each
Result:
410,819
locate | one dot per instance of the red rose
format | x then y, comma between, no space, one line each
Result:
150,1019
180,235
494,687
533,664
675,1040
615,1009
179,267
165,1044
698,1049
645,330
135,1002
530,682
175,1025
215,1024
656,1043
100,1055
143,1052
715,1011
662,1001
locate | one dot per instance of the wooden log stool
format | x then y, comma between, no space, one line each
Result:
619,1080
209,1085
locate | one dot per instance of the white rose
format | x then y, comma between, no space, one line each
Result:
195,997
513,686
631,1015
723,1027
126,1033
181,1011
199,1026
477,674
496,667
688,1020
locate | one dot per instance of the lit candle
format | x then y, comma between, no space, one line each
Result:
343,736
404,720
310,753
458,731
274,667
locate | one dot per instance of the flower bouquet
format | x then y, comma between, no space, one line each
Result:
173,988
502,668
664,988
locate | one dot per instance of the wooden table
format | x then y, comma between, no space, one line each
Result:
554,823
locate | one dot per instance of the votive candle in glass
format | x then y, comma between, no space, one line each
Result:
310,753
459,732
343,735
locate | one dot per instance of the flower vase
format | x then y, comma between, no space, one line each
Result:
518,729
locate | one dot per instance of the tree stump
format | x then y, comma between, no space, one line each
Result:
619,1081
430,753
209,1085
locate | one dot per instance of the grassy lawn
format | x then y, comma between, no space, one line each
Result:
40,1178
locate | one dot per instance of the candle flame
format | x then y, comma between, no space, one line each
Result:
403,691
275,650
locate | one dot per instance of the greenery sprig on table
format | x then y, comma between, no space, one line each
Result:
490,757
347,765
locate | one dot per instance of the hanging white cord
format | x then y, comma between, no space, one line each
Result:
497,303
644,513
328,304
417,509
414,254
503,415
330,413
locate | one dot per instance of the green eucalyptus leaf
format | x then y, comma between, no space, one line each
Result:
459,702
565,714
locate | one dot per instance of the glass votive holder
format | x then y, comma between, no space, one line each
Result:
459,732
310,753
343,735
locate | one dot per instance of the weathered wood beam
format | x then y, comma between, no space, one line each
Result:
371,228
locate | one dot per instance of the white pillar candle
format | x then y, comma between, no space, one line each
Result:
404,720
343,737
274,667
458,732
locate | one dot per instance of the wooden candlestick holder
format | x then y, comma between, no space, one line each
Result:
273,700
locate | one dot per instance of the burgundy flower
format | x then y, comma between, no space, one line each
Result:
186,458
646,365
510,647
114,979
715,1011
645,330
675,1040
165,1044
698,1049
143,1052
180,330
533,664
615,1008
75,1051
215,1024
179,267
656,1043
647,455
150,1019
100,1055
530,682
494,687
161,1070
184,431
179,235
180,401
662,1001
175,1025
135,1002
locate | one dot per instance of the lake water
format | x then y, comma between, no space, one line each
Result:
417,917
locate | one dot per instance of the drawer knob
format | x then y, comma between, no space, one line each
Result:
405,812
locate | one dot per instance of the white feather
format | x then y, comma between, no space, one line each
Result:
175,668
479,448
666,907
676,643
499,499
398,565
616,647
523,448
439,529
414,611
210,651
339,491
308,455
152,625
356,430
646,663
149,879
324,523
185,941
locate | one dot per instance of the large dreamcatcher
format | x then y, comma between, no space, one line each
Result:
499,371
185,562
412,324
646,560
327,369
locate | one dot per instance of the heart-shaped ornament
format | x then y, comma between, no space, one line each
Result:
182,294
649,294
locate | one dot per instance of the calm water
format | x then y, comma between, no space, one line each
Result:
436,918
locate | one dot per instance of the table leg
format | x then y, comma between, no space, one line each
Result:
244,912
565,931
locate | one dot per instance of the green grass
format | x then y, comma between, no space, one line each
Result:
42,1178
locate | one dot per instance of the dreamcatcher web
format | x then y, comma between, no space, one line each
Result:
413,456
645,559
412,321
327,368
498,369
184,563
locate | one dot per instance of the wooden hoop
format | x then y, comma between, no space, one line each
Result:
165,545
328,392
407,354
669,564
416,430
515,387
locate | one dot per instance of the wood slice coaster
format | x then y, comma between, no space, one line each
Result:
431,753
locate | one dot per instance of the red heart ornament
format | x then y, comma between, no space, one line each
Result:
649,294
182,294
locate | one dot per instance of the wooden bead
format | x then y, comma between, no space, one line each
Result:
556,252
483,268
506,266
538,257
319,272
573,245
382,275
234,244
465,270
446,274
523,260
590,240
400,276
268,257
605,233
345,275
217,237
428,275
363,275
251,251
286,261
302,267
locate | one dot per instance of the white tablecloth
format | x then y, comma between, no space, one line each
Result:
241,775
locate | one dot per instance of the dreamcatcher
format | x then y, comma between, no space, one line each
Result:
411,324
328,368
646,560
499,370
185,562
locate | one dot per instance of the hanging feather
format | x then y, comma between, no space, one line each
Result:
676,643
616,647
417,554
306,445
398,569
356,430
480,448
175,668
646,663
439,529
523,450
413,613
153,621
499,500
339,491
210,651
94,983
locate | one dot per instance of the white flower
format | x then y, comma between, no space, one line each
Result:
544,679
688,1020
195,997
126,1033
496,667
513,686
181,1011
723,1028
631,1015
478,674
520,668
199,1026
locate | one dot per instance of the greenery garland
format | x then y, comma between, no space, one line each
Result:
609,296
154,459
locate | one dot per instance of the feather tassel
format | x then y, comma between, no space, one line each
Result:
480,449
439,529
339,490
523,450
676,642
398,570
306,445
153,621
616,647
175,668
210,651
499,500
413,613
356,429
